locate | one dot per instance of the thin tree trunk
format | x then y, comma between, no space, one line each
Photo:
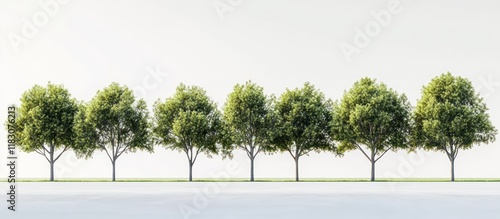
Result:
51,163
190,171
251,169
51,171
373,171
453,170
297,169
114,171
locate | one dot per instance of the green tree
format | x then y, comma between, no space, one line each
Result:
303,119
113,122
450,116
372,118
188,122
247,120
45,122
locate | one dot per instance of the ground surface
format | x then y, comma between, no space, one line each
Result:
242,200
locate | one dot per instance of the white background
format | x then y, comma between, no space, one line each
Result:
278,44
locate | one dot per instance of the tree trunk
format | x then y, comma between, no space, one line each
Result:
297,169
251,169
52,171
190,171
373,172
453,170
52,148
114,171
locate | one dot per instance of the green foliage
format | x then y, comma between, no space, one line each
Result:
303,119
45,121
373,116
248,121
188,122
113,122
370,117
247,116
451,117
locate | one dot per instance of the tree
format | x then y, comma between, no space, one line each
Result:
113,122
45,122
247,119
188,122
372,118
450,116
304,121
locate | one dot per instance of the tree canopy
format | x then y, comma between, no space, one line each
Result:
303,118
248,120
372,118
189,122
450,116
113,122
45,122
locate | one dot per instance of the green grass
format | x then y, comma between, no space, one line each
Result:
353,180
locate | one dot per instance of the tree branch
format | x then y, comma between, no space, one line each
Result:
186,151
196,155
290,151
447,152
45,150
247,151
259,149
361,149
383,154
39,152
64,150
124,149
106,150
456,153
303,152
116,151
44,154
